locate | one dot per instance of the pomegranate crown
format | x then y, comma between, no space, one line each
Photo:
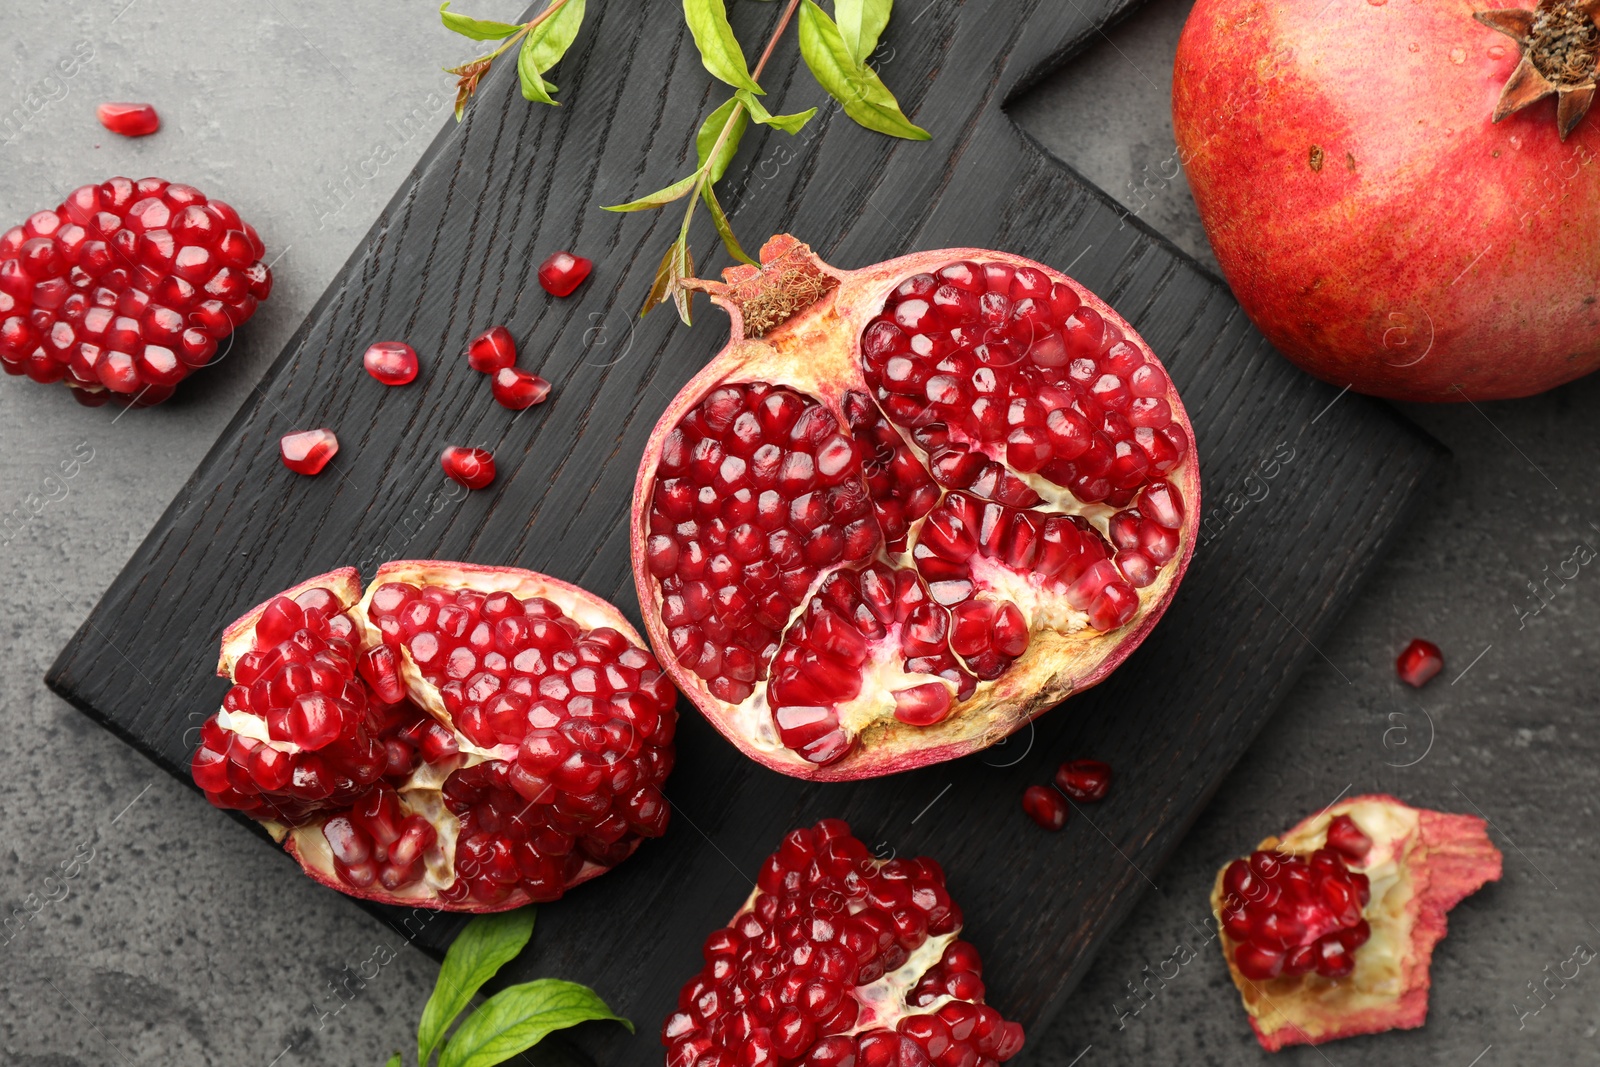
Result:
790,279
1560,42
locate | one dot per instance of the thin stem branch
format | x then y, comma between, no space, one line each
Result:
783,24
527,28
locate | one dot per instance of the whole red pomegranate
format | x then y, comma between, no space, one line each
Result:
909,507
460,737
840,959
1404,198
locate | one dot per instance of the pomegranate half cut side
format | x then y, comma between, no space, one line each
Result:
909,507
457,736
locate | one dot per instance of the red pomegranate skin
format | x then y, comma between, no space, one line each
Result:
1373,222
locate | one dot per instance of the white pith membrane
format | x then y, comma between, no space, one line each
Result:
422,792
1063,654
1310,1008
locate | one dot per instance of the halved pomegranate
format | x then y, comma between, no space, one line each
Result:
1329,931
839,959
909,507
461,737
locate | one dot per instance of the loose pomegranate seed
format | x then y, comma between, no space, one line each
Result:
130,120
308,451
516,388
1084,780
492,350
563,272
391,362
1289,916
471,467
812,970
1420,661
1045,806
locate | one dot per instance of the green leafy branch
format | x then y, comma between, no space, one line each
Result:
545,38
514,1019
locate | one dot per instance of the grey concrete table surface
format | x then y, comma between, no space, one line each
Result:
167,935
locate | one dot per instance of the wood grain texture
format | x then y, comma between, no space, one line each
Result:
455,252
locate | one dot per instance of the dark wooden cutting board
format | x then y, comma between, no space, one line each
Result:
1305,486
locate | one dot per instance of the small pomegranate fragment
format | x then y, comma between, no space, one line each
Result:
563,272
308,451
908,508
1045,806
492,350
1329,932
516,388
471,467
459,737
1084,780
126,288
391,362
1419,662
130,120
868,969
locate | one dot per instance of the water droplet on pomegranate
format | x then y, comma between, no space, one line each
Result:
471,467
308,451
391,362
130,120
1413,47
1497,51
563,272
1458,56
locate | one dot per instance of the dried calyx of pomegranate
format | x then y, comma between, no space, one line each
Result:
1329,931
460,737
908,507
839,959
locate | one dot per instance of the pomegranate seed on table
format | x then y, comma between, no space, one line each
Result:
516,388
391,362
1084,780
471,467
1045,806
563,272
130,120
1419,663
308,451
492,350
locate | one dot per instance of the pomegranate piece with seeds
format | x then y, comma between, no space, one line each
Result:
1045,806
1419,662
1084,780
308,451
126,288
492,350
908,508
516,389
460,737
471,467
391,362
872,972
130,120
563,272
1329,931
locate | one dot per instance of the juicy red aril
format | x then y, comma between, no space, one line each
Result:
1346,838
563,272
308,451
1289,915
492,350
1084,780
391,362
1419,662
1045,806
808,972
130,120
471,467
126,288
516,388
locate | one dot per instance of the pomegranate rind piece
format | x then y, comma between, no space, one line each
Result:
815,351
239,636
1421,865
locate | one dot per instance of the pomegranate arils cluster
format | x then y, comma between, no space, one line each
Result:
126,288
840,960
494,352
1419,662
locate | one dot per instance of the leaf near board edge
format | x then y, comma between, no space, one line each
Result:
519,1017
488,943
543,48
855,85
861,23
477,29
787,123
719,48
711,129
661,197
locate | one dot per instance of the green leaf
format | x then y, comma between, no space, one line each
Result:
855,85
719,49
661,197
676,265
486,945
786,123
477,29
711,130
393,1061
730,240
518,1018
543,48
860,23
